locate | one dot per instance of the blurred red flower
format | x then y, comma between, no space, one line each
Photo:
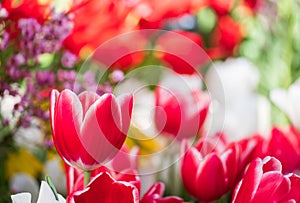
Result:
226,37
97,21
173,58
222,7
18,9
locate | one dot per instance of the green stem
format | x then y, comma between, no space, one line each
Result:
87,176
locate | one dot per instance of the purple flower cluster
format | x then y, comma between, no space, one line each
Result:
66,78
68,59
20,64
47,38
44,78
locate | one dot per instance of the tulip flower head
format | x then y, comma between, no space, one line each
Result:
181,106
89,129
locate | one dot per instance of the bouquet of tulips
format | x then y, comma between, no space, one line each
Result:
149,101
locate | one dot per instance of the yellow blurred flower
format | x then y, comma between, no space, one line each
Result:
24,162
146,144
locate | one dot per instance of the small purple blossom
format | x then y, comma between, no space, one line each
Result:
4,40
5,122
67,78
117,76
30,28
68,59
45,78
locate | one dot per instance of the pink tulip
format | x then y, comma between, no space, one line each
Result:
180,114
88,129
285,147
262,182
210,170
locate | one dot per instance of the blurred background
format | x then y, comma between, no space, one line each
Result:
252,47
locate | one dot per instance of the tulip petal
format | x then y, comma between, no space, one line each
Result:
211,183
294,193
125,191
21,198
190,163
126,103
271,164
100,132
247,188
103,188
53,98
46,194
281,148
273,187
156,189
155,193
67,120
87,98
230,159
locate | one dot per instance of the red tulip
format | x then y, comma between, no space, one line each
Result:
226,37
285,147
209,170
262,182
204,177
179,112
155,193
104,188
89,129
108,186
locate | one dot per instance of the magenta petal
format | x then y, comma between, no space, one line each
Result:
246,189
154,192
126,103
211,182
100,134
53,102
271,164
281,148
87,98
67,121
103,188
294,193
189,167
273,188
53,98
230,158
123,192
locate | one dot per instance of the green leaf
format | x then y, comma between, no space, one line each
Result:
48,180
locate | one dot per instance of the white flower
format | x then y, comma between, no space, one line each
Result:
289,102
22,182
7,103
236,108
46,196
30,137
3,12
54,169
